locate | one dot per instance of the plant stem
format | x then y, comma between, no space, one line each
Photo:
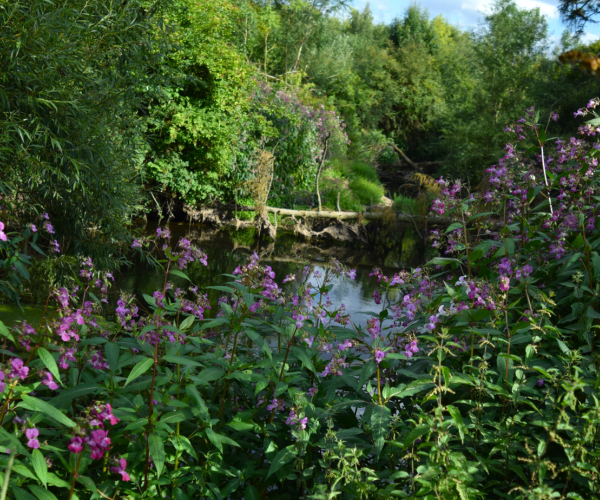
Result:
150,405
11,461
379,386
546,179
75,475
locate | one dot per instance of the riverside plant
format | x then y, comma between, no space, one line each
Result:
475,376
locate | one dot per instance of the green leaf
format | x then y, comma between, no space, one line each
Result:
366,372
139,369
283,457
302,353
501,364
259,341
251,493
50,363
5,332
219,440
157,452
41,493
187,322
21,494
180,360
280,388
88,483
112,351
456,416
73,393
40,466
380,422
443,261
415,434
176,272
209,375
38,405
463,492
175,416
482,214
195,396
454,226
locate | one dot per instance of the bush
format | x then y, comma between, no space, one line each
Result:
366,191
477,378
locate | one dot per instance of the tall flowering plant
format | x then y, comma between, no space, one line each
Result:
474,376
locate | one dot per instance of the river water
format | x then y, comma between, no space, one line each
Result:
227,248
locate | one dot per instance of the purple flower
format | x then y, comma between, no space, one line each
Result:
120,469
17,369
48,380
351,273
379,355
32,435
2,383
136,244
540,382
373,327
33,228
2,235
76,445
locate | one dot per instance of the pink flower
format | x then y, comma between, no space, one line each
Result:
2,235
48,380
76,445
120,469
18,370
32,435
2,383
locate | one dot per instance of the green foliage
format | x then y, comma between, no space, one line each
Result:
196,124
69,123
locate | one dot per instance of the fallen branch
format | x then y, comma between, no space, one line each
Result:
331,214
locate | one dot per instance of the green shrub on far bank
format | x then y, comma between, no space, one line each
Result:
356,181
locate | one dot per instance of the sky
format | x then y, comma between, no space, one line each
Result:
468,13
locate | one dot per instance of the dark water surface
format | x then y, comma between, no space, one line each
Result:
227,248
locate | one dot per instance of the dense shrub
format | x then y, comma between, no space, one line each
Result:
474,382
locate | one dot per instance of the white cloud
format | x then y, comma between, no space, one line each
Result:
546,9
589,37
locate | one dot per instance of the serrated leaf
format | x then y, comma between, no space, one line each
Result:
219,440
303,355
88,483
38,405
282,457
176,272
181,360
415,434
380,422
187,322
157,452
139,369
112,351
251,493
74,392
209,375
456,416
176,416
40,466
259,341
41,493
50,363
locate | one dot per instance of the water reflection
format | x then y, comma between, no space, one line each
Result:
227,248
